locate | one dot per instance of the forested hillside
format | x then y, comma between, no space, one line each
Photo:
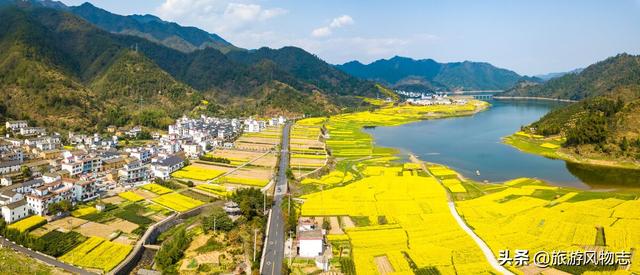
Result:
76,73
607,120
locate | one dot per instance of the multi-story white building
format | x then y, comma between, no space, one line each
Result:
41,197
14,154
142,154
163,168
16,125
85,190
133,172
32,131
193,150
43,143
7,167
80,164
15,211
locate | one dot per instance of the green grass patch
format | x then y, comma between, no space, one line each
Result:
360,221
56,243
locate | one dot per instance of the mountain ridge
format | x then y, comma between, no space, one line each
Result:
431,75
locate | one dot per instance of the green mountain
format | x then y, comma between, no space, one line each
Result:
50,76
606,122
597,79
80,75
185,39
308,68
429,75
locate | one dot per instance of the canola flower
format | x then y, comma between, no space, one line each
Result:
130,196
177,202
28,223
156,188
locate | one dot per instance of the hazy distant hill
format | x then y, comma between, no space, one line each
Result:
80,76
606,122
427,74
550,76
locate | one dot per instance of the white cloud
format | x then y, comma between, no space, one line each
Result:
338,22
218,16
366,49
321,32
341,21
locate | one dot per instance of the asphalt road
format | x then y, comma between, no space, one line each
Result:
46,259
274,250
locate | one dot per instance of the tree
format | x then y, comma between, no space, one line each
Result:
250,201
219,219
26,171
59,207
172,251
289,174
624,144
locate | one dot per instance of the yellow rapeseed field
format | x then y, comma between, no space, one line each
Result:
130,196
97,253
83,211
515,218
197,173
215,189
177,202
29,223
156,188
420,224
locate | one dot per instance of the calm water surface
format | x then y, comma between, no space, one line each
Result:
474,143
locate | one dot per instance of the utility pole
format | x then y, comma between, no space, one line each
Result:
289,205
291,246
214,225
255,238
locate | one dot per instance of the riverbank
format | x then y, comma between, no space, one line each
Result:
551,147
533,98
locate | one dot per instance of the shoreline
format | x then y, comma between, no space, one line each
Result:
556,154
534,98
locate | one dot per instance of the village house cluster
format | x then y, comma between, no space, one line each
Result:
39,169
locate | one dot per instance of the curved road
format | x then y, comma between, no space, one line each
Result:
488,254
274,249
43,258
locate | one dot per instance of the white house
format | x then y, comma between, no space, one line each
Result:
41,197
133,172
50,177
310,243
163,168
16,125
7,167
142,154
5,181
310,239
15,211
32,131
192,150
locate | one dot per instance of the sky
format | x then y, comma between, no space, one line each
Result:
529,37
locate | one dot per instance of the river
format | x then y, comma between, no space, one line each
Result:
470,144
